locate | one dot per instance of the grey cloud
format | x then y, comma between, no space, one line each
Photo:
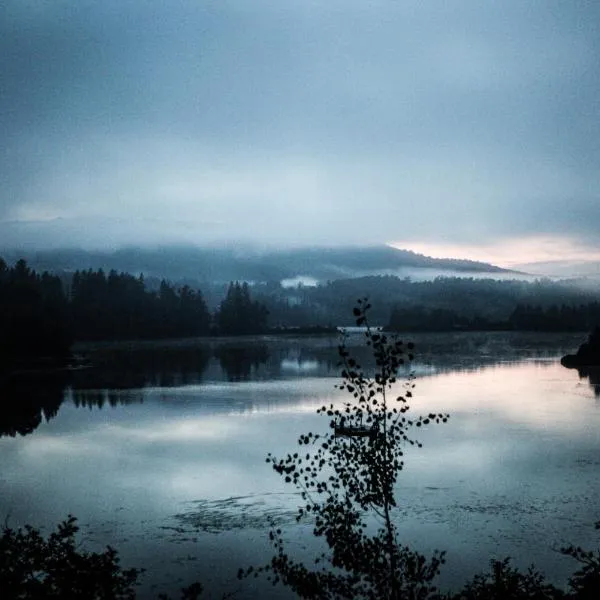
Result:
468,121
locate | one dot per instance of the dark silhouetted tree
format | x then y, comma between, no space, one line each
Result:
238,314
347,478
32,566
33,317
119,306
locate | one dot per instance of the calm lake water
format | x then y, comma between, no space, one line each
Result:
160,451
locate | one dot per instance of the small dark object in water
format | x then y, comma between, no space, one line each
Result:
355,431
588,354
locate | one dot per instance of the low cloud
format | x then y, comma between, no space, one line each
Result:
296,124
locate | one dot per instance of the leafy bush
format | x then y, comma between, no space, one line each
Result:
32,566
584,584
504,582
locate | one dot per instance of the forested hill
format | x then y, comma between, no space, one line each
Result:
43,312
445,302
198,266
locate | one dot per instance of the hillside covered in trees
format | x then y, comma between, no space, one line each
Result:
444,303
197,265
42,314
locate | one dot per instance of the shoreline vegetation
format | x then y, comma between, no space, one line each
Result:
42,314
43,317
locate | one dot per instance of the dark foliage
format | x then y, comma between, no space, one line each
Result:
469,299
504,582
524,317
238,314
587,357
441,304
119,306
439,319
585,582
40,317
34,567
347,477
581,317
33,318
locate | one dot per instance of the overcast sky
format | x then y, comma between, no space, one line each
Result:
449,127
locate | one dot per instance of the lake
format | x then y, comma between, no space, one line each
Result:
159,450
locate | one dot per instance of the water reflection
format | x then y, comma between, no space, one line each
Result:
25,405
120,370
143,365
241,363
100,398
593,376
299,365
513,472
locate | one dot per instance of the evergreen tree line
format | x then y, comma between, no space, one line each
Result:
33,315
472,303
556,318
524,317
41,315
119,306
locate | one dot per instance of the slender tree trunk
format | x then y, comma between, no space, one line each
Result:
392,551
386,507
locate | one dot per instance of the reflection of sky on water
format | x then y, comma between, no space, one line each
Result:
515,471
299,366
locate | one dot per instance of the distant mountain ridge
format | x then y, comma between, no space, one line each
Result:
222,264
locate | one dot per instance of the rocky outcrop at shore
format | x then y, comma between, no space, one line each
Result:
588,354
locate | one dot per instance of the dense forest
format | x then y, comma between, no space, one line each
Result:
524,317
119,306
42,314
441,304
34,315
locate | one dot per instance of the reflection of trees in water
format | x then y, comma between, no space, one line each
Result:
134,368
593,376
442,353
114,371
468,350
24,405
240,363
101,398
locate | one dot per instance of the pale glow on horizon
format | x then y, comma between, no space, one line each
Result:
509,253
